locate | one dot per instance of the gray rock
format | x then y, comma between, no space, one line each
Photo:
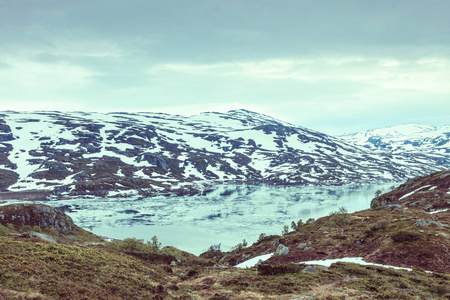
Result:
309,269
302,246
42,236
275,243
173,263
40,215
282,250
423,223
392,206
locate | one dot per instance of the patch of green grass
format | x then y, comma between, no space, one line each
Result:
63,271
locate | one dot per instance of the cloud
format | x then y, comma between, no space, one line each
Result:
312,63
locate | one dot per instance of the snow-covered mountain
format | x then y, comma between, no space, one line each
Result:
410,139
78,153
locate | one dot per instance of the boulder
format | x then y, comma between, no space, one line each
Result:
282,250
309,269
302,246
42,236
423,223
41,215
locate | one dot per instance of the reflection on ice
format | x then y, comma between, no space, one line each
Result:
227,215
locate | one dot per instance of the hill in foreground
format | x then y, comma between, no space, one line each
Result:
67,262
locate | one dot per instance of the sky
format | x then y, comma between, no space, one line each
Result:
332,66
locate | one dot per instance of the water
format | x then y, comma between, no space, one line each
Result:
225,216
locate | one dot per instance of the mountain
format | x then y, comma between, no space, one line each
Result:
69,154
420,141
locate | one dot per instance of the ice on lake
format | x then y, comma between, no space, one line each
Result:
226,216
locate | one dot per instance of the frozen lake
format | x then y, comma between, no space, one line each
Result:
226,216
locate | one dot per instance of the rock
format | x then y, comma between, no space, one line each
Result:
275,243
282,250
309,269
42,236
423,223
40,215
302,246
392,206
173,263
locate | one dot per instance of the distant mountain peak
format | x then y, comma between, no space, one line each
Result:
122,154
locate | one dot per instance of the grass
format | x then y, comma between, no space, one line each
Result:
133,270
64,271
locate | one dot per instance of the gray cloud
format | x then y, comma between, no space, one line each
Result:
323,64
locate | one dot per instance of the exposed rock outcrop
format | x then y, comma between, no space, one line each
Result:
40,215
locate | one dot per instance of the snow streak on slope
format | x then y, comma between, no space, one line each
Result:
123,154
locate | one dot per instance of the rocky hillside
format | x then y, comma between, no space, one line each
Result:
69,263
407,227
123,154
429,193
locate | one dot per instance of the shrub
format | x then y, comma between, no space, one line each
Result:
154,243
285,230
405,237
135,246
240,245
37,228
53,231
213,251
296,226
3,230
261,237
339,219
374,204
310,221
279,269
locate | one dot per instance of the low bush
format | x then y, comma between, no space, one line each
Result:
3,230
279,269
134,245
37,228
405,237
213,251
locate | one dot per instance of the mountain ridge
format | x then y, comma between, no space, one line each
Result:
79,154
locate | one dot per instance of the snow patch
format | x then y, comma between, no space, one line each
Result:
253,261
355,260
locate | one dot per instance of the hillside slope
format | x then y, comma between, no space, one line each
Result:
398,230
122,154
74,264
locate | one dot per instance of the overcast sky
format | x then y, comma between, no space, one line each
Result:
333,66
